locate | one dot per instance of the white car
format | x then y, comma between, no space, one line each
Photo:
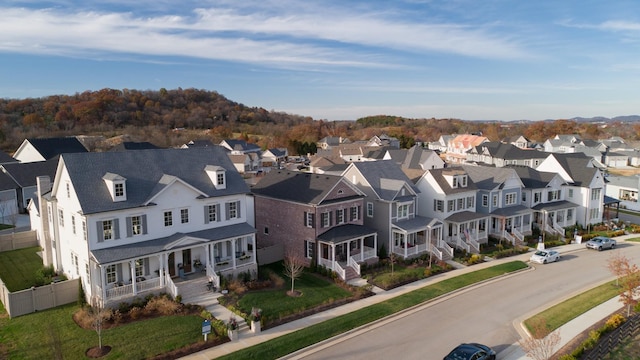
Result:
545,256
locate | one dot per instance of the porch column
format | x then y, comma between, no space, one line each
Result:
103,285
333,256
255,249
406,243
132,270
233,252
161,269
361,240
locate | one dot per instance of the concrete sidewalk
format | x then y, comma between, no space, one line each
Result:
513,352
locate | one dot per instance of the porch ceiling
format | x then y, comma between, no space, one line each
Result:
348,232
156,246
512,211
416,224
557,205
465,216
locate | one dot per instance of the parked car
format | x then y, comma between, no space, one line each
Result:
471,351
601,242
545,256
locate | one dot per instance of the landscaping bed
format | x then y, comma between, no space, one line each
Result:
318,291
404,272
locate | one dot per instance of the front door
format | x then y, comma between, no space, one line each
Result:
172,265
186,260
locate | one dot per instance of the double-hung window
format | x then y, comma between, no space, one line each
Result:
136,225
168,218
107,229
184,216
111,274
212,213
403,211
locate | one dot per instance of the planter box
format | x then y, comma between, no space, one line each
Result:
255,327
233,334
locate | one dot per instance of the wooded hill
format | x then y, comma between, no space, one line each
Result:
173,117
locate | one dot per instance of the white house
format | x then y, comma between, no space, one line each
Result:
128,223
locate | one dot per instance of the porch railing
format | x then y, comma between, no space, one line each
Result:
509,237
170,286
445,247
369,253
559,229
211,275
475,245
339,270
148,284
518,235
461,244
354,264
119,291
437,252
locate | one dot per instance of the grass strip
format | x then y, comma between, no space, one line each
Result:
302,338
570,309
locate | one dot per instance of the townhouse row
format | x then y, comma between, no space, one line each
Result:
128,223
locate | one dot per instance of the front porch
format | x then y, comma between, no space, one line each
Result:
466,230
417,236
159,264
512,223
344,248
553,217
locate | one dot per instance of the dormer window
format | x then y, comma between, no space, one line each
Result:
463,180
116,185
217,175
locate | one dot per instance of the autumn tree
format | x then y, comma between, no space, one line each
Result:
293,268
541,343
627,277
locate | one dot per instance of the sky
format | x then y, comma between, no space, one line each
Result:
337,59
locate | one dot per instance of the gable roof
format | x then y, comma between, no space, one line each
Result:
6,158
438,176
51,147
299,187
385,177
489,178
504,151
25,174
578,166
532,178
131,145
239,145
144,170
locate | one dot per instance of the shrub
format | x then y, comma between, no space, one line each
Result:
567,357
135,312
162,306
206,315
614,322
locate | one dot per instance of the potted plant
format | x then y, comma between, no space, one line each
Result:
232,329
256,317
197,264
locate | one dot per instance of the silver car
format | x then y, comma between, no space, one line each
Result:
601,242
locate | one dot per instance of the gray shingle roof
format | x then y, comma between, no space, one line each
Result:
143,170
305,188
145,248
487,177
438,175
532,178
577,166
385,177
51,147
25,174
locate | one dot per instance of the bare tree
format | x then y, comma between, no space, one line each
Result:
98,315
293,267
627,277
393,258
542,342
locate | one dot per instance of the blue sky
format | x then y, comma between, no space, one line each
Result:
335,60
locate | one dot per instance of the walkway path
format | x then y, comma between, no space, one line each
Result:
247,338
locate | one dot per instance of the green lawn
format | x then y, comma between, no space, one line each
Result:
568,310
18,268
275,303
302,338
43,334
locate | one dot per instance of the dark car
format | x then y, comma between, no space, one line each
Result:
471,351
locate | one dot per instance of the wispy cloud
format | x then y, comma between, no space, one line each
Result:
297,37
